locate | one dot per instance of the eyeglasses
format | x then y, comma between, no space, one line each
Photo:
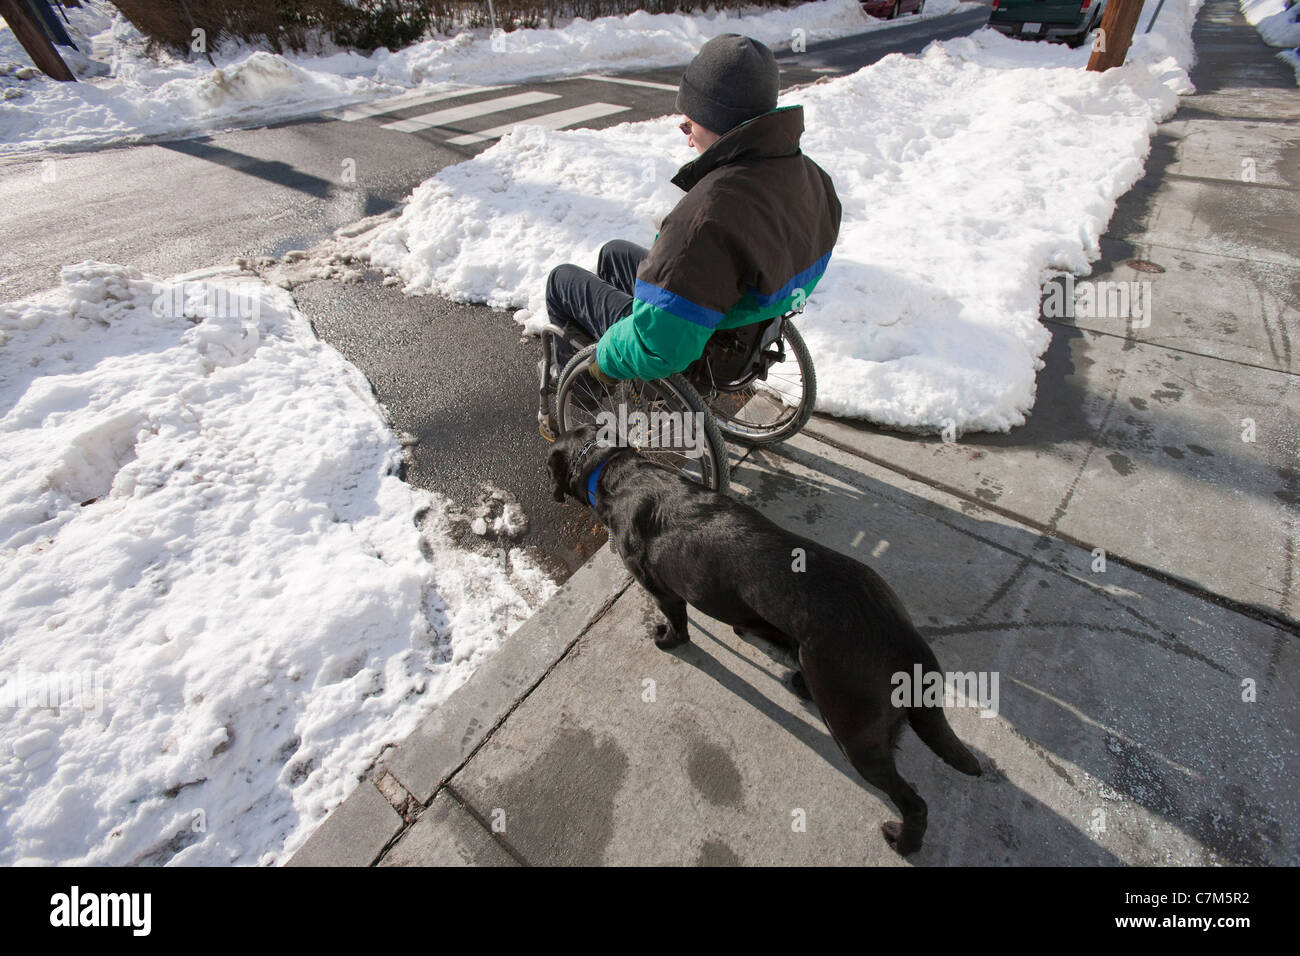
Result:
685,127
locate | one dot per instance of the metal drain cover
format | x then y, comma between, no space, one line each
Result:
1142,265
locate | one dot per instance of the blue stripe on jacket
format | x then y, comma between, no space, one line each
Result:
681,307
814,271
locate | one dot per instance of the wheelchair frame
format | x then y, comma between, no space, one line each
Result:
733,360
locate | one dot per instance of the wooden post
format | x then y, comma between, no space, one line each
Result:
1116,34
34,41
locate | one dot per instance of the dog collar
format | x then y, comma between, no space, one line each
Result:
575,468
591,482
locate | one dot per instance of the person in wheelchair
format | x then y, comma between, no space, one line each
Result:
747,243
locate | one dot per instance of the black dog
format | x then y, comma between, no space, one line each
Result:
687,545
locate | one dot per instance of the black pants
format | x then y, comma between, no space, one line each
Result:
586,305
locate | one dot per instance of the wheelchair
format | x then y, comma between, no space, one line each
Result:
755,385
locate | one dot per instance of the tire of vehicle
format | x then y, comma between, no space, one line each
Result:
751,434
1079,39
579,398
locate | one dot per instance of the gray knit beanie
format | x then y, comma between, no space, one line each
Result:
732,79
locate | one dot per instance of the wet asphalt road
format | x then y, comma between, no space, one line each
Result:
457,377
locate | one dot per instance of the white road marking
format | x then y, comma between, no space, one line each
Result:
468,111
627,82
557,120
415,98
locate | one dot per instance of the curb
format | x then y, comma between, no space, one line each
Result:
359,830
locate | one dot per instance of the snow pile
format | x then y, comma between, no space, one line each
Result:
218,602
636,41
126,95
1292,57
967,175
1277,25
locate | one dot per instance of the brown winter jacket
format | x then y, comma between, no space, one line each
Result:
748,242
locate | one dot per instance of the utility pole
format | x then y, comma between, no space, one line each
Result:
32,36
1116,34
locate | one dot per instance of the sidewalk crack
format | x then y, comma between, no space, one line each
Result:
497,838
1169,348
1265,615
398,797
416,808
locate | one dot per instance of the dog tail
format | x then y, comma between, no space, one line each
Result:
932,727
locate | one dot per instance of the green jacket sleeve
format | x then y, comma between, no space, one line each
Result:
690,279
650,343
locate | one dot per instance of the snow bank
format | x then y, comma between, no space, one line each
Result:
967,175
1277,25
635,41
218,602
126,95
1291,57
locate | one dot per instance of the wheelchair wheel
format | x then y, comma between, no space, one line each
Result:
674,427
770,410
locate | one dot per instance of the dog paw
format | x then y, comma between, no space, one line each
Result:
800,686
666,637
892,831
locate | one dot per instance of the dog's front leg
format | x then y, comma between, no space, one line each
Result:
778,637
673,631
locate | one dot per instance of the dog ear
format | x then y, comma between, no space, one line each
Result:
556,462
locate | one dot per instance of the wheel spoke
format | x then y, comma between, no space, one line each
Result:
665,435
774,406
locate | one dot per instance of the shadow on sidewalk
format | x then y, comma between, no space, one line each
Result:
935,782
1128,691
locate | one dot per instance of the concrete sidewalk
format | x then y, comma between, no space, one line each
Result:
1126,730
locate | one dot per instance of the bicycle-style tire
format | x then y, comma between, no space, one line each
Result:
726,406
573,409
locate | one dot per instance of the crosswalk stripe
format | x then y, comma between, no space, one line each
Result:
557,120
627,82
415,98
468,111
